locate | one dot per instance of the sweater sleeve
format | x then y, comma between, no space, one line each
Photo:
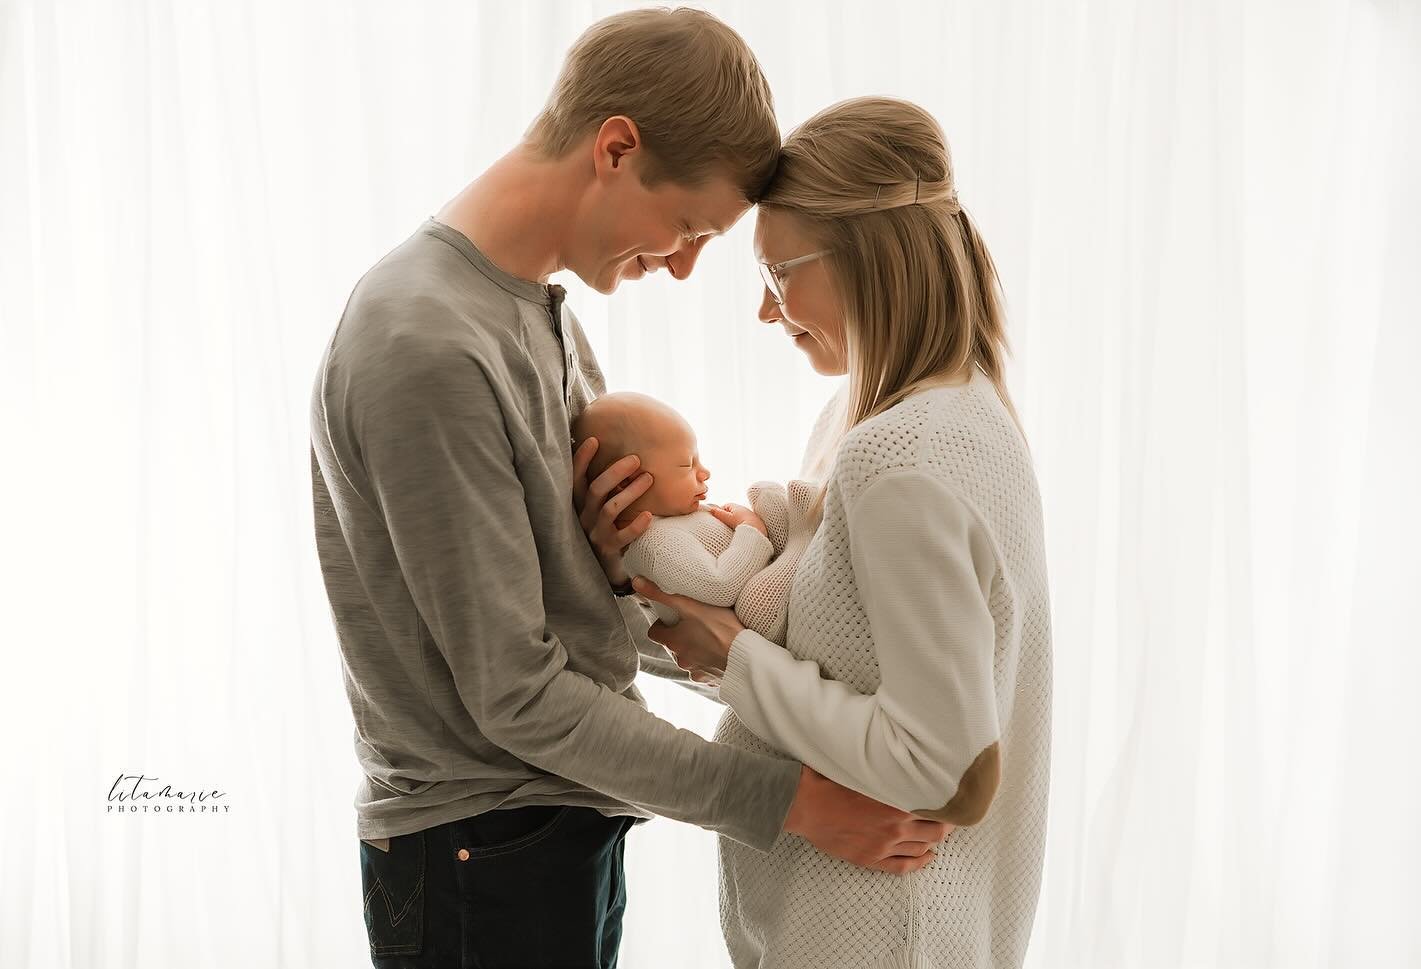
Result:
441,463
927,740
683,566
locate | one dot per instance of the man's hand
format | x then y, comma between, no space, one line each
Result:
599,504
860,830
736,515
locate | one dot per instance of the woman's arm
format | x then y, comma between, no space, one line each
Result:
927,740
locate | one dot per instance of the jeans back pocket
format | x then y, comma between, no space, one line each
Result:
393,883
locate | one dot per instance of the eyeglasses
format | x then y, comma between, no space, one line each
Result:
771,274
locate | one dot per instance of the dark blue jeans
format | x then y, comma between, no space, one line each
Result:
526,888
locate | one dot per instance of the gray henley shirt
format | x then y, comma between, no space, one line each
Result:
486,661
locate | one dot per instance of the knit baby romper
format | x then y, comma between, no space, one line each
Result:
699,556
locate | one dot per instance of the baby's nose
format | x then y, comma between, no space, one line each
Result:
705,474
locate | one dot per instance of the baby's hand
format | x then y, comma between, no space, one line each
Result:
736,515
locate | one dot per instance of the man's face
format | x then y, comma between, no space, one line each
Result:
628,230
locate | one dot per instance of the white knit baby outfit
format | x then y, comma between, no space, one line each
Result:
699,556
919,634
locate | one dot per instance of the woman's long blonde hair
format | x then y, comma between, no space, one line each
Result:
870,180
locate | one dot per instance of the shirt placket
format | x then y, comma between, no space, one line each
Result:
569,355
572,366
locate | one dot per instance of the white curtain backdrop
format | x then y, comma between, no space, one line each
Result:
1206,218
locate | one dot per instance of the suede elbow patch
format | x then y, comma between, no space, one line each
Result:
974,792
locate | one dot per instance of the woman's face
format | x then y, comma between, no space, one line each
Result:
811,315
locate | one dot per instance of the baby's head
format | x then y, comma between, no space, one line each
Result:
628,423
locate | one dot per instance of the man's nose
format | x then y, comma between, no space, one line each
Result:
683,260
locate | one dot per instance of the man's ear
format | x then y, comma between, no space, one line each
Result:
616,140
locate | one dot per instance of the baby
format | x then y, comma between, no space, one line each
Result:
722,556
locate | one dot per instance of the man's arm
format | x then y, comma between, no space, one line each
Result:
435,449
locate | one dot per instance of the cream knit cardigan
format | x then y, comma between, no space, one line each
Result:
918,649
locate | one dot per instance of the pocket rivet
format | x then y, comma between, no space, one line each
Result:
463,854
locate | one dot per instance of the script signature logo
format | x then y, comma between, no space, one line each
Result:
140,794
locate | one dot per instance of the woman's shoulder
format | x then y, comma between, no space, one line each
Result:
887,441
931,431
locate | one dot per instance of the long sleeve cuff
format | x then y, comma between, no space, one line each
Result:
735,690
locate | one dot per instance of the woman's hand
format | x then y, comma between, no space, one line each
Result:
599,504
700,642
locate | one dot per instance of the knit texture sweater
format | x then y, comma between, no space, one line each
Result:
916,670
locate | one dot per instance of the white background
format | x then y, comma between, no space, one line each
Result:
1205,215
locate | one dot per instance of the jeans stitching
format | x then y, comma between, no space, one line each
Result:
379,948
389,906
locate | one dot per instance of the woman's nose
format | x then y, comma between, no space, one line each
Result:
769,309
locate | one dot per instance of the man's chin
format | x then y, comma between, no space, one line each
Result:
607,285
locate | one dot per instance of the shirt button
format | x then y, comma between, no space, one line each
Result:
463,854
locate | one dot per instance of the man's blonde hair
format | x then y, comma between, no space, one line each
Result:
871,180
689,82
